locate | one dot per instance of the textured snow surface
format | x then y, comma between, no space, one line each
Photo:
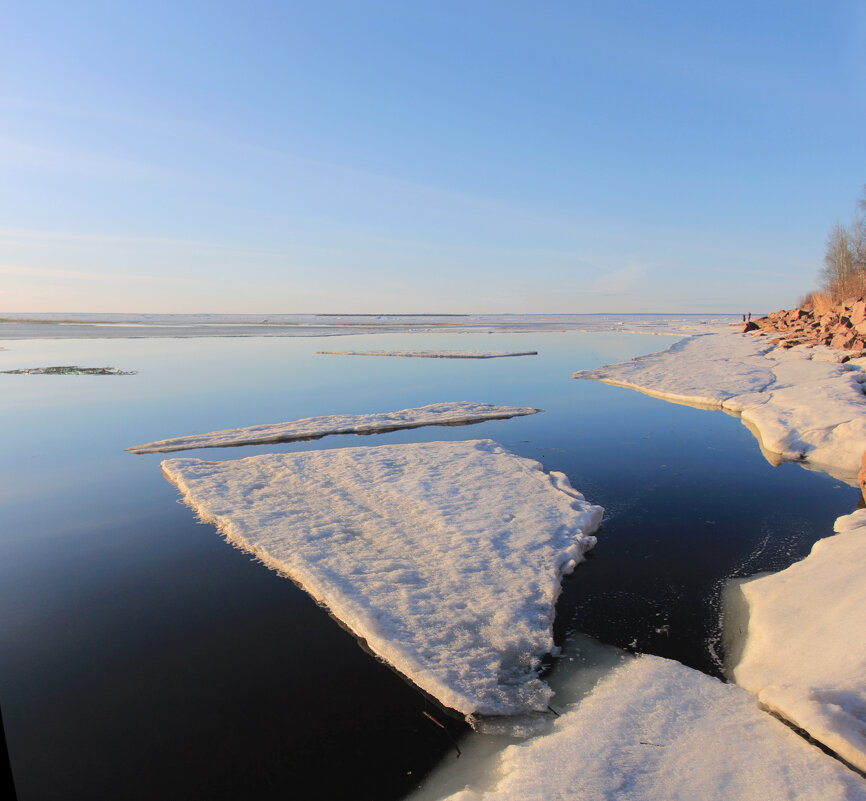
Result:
436,414
801,405
445,557
434,354
655,730
804,652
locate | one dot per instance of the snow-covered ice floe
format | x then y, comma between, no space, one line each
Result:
446,557
436,414
796,640
433,354
801,405
655,730
71,369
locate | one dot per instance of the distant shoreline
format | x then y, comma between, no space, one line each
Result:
136,326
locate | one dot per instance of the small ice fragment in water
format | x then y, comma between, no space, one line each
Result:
433,354
68,370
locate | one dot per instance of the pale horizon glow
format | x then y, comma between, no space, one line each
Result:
425,158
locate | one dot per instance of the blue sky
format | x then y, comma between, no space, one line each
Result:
425,156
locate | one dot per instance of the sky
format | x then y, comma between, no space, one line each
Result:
385,157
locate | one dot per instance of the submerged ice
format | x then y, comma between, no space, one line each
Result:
435,414
446,557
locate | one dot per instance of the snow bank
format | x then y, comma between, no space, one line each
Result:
433,354
803,652
445,557
800,405
436,414
655,730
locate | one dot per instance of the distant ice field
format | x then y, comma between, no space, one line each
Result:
107,326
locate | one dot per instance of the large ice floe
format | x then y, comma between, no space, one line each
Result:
655,730
445,557
796,640
436,414
802,405
433,354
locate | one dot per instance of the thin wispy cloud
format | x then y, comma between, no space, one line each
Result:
20,154
42,238
621,281
26,271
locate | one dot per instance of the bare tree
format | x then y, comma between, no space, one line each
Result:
858,232
844,273
838,260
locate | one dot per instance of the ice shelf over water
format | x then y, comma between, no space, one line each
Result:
445,557
655,730
802,405
433,354
803,647
436,414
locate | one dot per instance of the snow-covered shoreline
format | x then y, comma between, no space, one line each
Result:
796,640
799,638
802,403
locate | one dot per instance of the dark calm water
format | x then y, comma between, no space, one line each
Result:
142,657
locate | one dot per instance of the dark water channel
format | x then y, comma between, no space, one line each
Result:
142,657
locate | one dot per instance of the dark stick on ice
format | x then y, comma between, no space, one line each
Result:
453,741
